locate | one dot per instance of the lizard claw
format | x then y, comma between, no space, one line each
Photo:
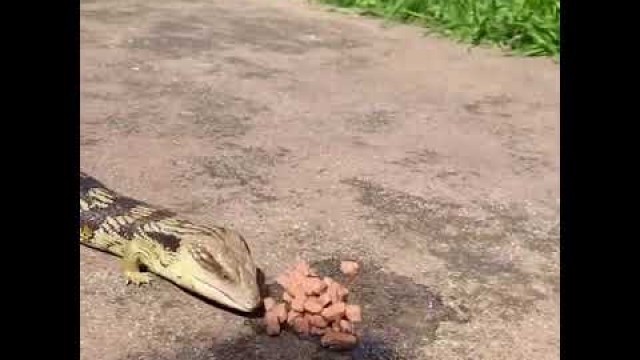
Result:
137,278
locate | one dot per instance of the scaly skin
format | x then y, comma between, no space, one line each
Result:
211,261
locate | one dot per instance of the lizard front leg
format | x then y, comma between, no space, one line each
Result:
132,261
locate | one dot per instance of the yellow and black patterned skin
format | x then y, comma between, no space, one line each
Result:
213,262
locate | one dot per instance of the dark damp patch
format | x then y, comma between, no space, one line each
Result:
476,249
243,171
168,241
399,317
416,159
490,105
372,121
457,239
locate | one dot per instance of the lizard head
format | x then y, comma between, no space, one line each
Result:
219,267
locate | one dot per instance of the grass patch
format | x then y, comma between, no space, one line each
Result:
526,27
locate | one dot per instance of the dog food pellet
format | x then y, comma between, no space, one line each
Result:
273,325
312,305
292,315
314,286
346,326
338,340
268,303
280,311
301,325
353,313
342,292
315,305
349,268
286,297
302,268
297,304
333,312
317,331
324,299
318,321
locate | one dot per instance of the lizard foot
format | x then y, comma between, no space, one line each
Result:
137,278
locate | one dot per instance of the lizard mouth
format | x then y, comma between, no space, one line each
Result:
226,298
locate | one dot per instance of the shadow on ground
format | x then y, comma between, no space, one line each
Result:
400,317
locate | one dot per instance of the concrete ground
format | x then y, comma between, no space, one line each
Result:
319,136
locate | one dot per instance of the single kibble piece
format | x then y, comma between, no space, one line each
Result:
333,312
353,313
346,326
273,325
342,292
280,311
297,277
327,280
284,281
318,321
324,299
297,303
292,315
338,340
333,291
349,268
301,325
314,286
312,305
317,331
296,289
302,268
287,297
268,303
335,326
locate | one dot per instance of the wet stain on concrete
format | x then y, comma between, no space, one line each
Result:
399,317
477,249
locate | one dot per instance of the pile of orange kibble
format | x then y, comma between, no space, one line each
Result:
316,306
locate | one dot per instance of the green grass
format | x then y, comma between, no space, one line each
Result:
527,27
